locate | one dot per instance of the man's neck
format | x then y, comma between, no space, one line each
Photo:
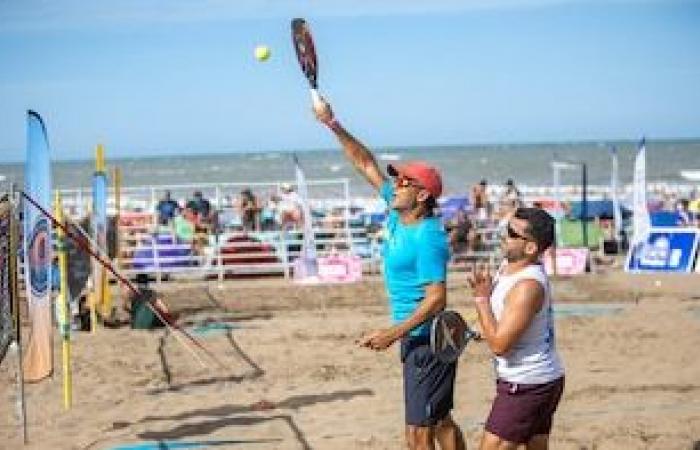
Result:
515,267
412,216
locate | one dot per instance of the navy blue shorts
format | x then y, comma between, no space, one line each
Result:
428,383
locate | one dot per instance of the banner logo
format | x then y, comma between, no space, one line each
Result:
665,250
39,258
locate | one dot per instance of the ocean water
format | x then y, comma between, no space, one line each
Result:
462,166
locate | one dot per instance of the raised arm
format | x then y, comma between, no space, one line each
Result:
355,151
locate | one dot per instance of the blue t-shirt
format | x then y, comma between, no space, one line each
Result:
166,210
414,255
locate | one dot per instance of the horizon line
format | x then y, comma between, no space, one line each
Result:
374,149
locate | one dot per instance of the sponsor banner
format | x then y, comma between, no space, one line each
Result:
665,250
99,222
331,269
308,249
570,261
38,359
78,266
640,219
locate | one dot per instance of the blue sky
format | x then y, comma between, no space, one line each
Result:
148,77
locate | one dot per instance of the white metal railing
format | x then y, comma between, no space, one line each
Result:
146,247
158,251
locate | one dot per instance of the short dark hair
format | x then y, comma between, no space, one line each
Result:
431,203
540,226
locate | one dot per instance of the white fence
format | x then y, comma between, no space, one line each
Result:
147,247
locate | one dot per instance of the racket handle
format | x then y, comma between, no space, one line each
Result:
470,334
315,97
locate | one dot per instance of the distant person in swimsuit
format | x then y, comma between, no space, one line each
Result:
249,210
510,198
289,207
480,200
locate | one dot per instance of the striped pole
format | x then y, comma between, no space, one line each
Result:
64,320
14,293
99,210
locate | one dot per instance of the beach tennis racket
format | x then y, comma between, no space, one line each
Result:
449,335
306,54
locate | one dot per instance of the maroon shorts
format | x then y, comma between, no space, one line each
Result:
521,411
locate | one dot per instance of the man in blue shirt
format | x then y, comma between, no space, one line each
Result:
167,207
415,268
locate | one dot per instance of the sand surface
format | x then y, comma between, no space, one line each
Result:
290,377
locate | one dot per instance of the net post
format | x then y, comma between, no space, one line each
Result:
14,293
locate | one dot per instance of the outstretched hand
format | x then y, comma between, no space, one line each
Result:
480,280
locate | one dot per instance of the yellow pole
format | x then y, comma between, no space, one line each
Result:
65,321
100,158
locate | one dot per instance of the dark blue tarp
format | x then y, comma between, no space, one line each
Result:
602,209
664,219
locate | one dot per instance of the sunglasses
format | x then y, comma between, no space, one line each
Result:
515,235
404,182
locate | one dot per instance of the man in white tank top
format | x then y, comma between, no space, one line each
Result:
515,314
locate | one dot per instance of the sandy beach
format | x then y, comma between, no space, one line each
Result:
290,376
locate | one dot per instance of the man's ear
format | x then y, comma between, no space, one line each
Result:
423,196
531,248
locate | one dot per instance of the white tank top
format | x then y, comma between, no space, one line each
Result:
534,358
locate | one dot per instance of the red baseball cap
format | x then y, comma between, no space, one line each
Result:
426,175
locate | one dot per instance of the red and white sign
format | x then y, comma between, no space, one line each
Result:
333,269
570,261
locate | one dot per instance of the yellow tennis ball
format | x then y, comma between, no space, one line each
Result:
262,52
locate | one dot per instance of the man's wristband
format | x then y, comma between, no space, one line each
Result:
333,124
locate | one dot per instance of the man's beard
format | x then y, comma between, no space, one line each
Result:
515,256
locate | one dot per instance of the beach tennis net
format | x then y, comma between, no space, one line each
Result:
6,328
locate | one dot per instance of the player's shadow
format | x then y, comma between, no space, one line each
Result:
209,426
255,370
224,416
294,402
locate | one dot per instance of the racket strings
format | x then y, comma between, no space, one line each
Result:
451,336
